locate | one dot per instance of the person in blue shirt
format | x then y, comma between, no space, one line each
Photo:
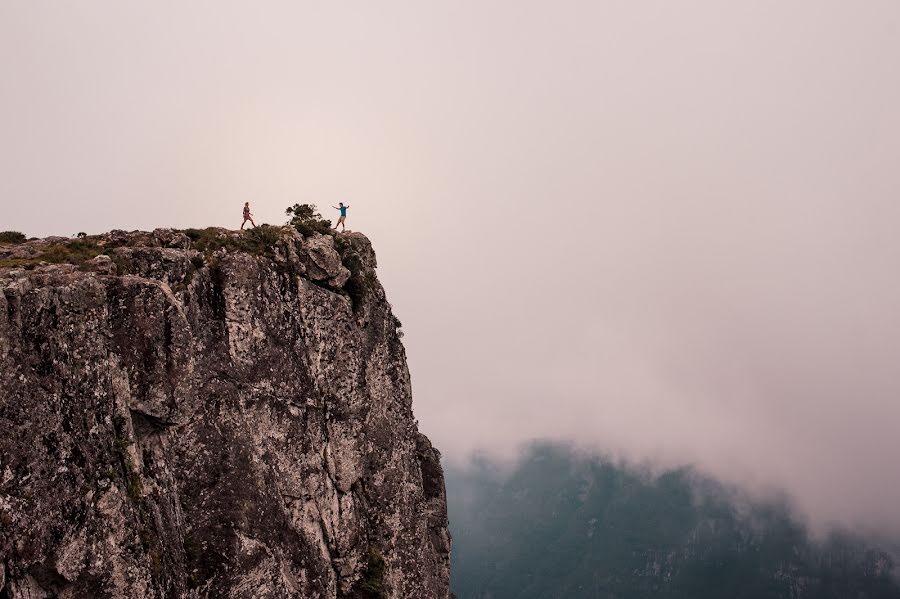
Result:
343,218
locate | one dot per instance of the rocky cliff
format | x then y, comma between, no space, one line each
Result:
210,414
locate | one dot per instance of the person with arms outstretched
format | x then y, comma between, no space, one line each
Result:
343,219
247,216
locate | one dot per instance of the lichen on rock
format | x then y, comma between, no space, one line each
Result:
192,415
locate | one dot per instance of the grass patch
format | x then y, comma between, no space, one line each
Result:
11,237
76,252
26,263
259,241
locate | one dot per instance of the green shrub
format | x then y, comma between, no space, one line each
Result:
372,584
259,240
307,220
207,240
198,261
123,265
195,234
11,237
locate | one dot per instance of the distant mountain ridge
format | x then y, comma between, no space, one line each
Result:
562,525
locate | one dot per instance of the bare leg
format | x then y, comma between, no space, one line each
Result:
252,223
243,223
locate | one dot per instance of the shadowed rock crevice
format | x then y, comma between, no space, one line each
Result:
204,415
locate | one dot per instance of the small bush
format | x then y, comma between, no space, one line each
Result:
207,240
372,584
195,234
123,265
261,239
11,237
198,261
307,220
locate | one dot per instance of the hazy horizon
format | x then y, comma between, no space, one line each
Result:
662,230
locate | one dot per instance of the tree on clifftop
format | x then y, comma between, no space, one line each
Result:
307,220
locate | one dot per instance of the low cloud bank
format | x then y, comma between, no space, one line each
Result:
758,342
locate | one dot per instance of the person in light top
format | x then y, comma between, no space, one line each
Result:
247,216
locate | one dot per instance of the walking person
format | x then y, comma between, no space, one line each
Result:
343,218
247,216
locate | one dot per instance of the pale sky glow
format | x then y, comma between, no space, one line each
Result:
664,229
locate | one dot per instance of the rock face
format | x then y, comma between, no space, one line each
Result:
232,422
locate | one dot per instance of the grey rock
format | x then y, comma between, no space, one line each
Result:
227,425
102,264
322,261
171,238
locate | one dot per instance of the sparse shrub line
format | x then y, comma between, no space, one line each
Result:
11,237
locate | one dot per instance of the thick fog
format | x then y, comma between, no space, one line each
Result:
667,230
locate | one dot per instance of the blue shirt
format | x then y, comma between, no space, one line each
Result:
343,210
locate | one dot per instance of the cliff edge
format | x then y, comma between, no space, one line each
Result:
210,414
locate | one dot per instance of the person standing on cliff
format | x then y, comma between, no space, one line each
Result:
247,216
343,218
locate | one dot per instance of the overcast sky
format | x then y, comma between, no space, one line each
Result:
666,229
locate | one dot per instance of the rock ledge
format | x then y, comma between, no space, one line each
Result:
210,414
